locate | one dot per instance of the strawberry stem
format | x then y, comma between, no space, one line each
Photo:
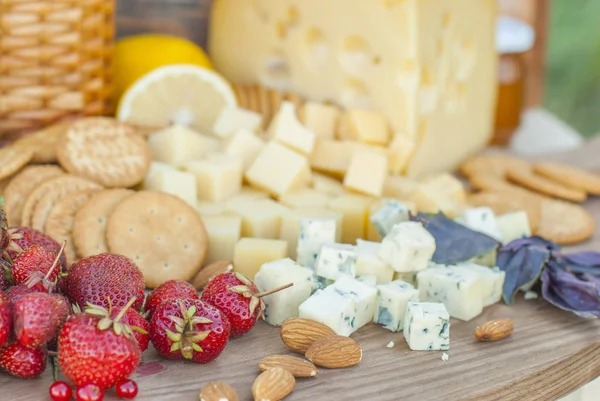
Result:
265,293
62,248
124,310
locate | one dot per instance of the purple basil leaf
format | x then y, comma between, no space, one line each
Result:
587,258
568,292
580,269
522,266
454,242
531,241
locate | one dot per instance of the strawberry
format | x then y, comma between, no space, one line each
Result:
17,291
38,316
6,319
24,237
238,298
35,262
95,349
139,325
189,329
100,278
23,362
172,289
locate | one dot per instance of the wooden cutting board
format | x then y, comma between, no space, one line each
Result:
550,354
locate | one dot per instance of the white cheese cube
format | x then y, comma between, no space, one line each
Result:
327,185
372,233
392,299
410,277
399,187
335,261
150,181
408,247
427,326
278,170
460,290
177,145
367,172
206,208
354,209
492,281
251,253
261,218
400,150
513,226
218,177
481,219
249,193
287,130
368,262
364,125
321,118
390,214
179,183
313,234
233,119
364,296
223,233
284,304
246,145
333,157
304,197
333,309
369,280
443,193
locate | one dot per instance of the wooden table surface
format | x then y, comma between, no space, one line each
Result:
550,354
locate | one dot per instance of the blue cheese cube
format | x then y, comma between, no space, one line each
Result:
364,297
388,215
408,247
369,280
336,260
331,308
410,277
481,219
313,234
368,262
427,326
513,226
391,304
459,290
284,304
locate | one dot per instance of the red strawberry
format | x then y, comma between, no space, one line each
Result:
38,316
138,324
6,319
97,349
34,262
23,362
24,237
17,291
172,289
189,329
100,278
238,298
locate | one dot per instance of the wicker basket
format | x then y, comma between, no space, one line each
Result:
55,61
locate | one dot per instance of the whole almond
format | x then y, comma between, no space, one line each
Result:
218,391
298,367
335,352
299,334
273,384
208,272
495,330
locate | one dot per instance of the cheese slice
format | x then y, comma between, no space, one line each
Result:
429,66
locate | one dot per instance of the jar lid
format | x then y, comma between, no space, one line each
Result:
513,35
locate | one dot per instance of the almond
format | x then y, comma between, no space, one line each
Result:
334,352
495,330
298,367
218,391
208,272
299,334
273,384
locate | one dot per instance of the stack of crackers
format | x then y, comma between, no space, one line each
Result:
551,194
73,183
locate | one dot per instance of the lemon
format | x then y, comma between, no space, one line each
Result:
135,56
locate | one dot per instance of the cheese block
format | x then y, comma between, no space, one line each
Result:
287,130
392,299
513,226
155,168
223,233
335,261
427,326
333,157
372,232
231,120
409,277
354,209
369,280
367,172
304,197
408,247
388,215
206,208
364,125
251,253
177,145
320,118
440,193
261,218
481,219
218,177
314,233
333,309
399,152
246,145
179,183
327,185
399,187
369,263
429,66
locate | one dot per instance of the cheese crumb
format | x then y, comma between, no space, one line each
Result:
530,295
445,357
390,344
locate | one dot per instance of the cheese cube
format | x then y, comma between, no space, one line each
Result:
458,289
427,326
287,130
320,118
177,145
251,253
223,234
399,187
304,197
290,224
333,309
284,304
150,181
481,219
390,214
367,172
443,193
218,177
278,170
364,125
492,281
410,277
372,233
245,145
261,218
327,185
233,119
333,157
369,280
249,193
392,299
368,262
513,226
364,296
335,261
408,247
313,234
205,208
179,183
354,209
400,150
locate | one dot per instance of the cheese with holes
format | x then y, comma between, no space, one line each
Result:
261,218
178,145
354,209
234,119
408,247
245,145
392,299
335,261
427,326
218,177
369,263
223,233
364,125
251,253
320,118
287,130
367,172
429,66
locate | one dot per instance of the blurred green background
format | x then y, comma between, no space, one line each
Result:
573,64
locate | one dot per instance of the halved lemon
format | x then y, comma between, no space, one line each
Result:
179,94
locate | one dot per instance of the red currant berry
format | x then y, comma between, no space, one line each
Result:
126,388
89,392
60,391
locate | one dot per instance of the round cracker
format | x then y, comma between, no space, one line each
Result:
493,165
161,233
12,159
565,223
570,176
44,143
490,182
59,224
106,151
23,183
40,201
89,226
535,182
506,202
